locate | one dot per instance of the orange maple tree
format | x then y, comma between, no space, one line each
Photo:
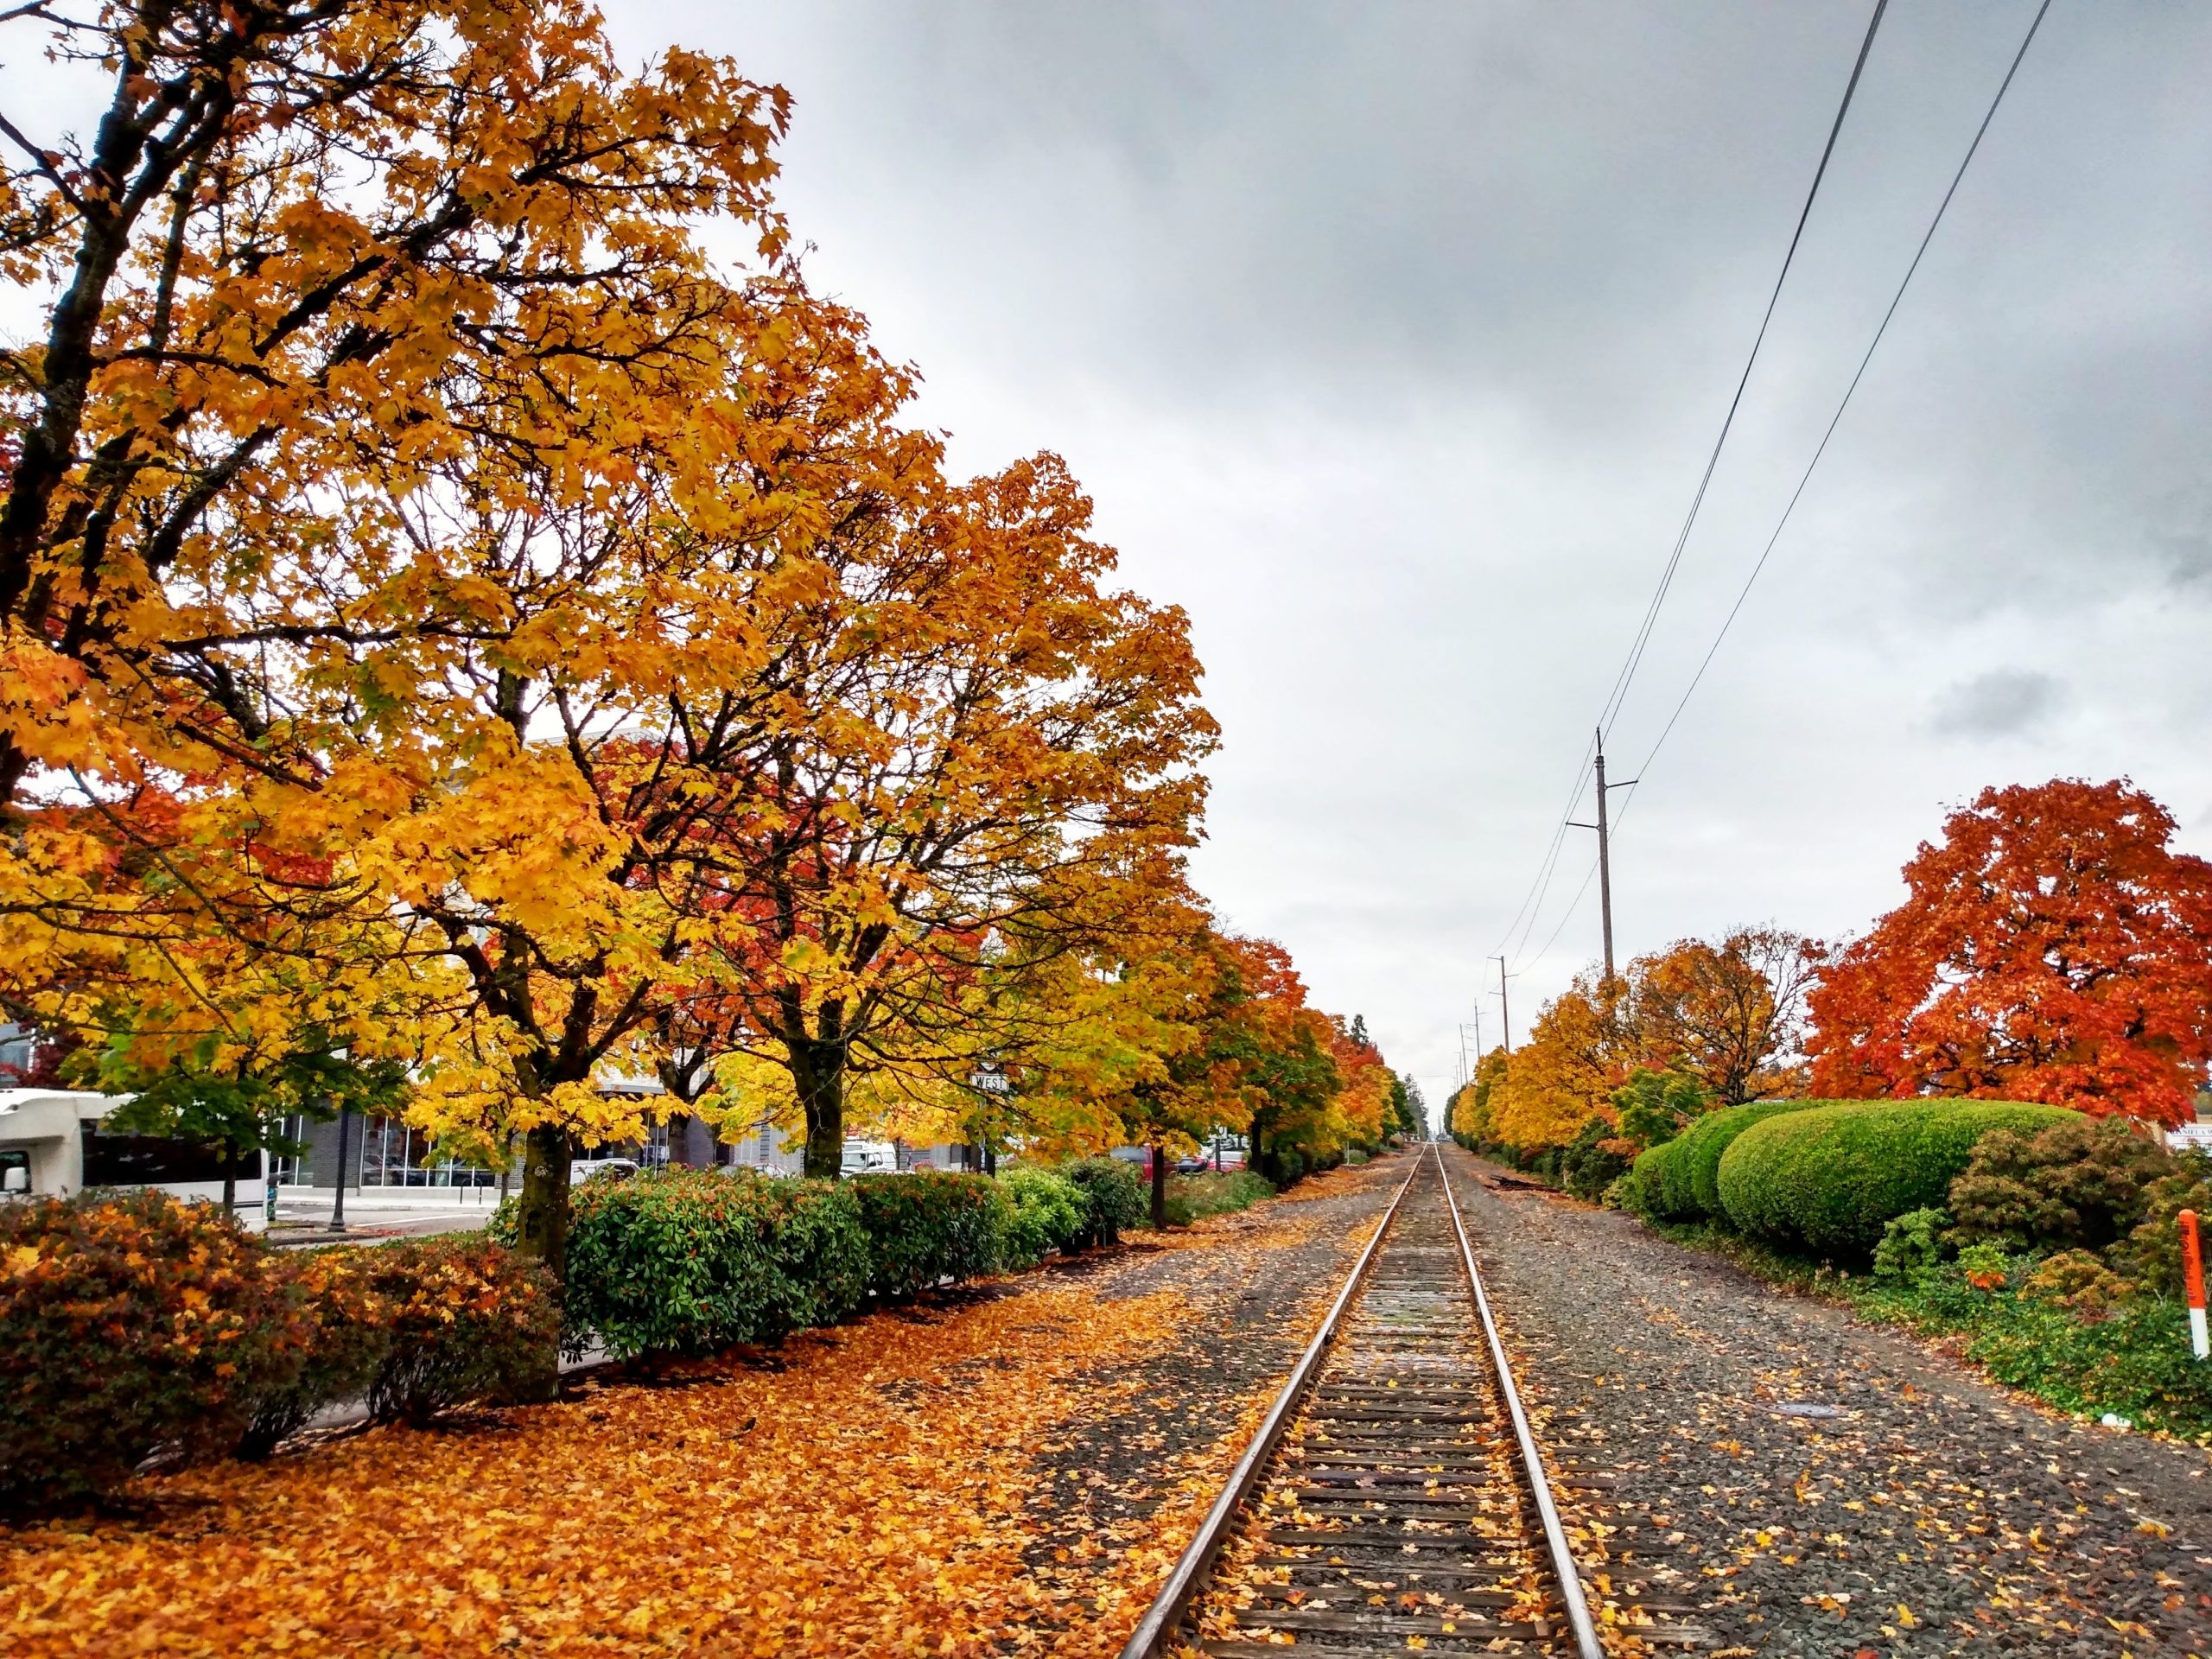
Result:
2054,947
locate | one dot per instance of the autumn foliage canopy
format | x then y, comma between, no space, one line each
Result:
467,604
2053,947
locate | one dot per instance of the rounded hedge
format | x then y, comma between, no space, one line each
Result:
1696,1168
924,1227
1830,1178
1674,1180
694,1261
1646,1181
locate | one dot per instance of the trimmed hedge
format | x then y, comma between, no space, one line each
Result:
1832,1177
695,1260
1697,1170
1675,1180
924,1228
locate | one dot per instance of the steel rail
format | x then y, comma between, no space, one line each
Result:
1150,1636
1564,1569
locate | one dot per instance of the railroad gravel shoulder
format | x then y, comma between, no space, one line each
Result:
1118,1493
1817,1486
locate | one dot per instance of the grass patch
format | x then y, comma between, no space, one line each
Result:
1191,1197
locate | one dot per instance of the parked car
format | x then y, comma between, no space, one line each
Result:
601,1169
1191,1166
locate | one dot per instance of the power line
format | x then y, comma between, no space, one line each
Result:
1836,419
1531,906
1681,538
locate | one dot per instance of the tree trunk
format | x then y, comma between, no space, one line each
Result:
1159,1187
819,1072
230,1179
541,1233
679,1140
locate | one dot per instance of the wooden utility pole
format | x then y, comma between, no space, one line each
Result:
1504,1007
1605,851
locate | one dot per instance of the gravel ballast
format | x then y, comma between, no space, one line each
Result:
1816,1485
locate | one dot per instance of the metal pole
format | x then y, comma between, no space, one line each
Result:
338,1206
1605,862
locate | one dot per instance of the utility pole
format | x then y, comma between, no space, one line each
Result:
1504,1007
1604,851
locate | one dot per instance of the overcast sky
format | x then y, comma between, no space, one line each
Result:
1391,338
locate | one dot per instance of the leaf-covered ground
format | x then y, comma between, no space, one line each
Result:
1809,1485
1012,1471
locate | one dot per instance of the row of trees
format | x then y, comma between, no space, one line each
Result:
2053,947
454,629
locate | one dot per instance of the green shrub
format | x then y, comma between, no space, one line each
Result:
1833,1177
1114,1196
1693,1184
2077,1185
2077,1282
695,1260
128,1322
924,1228
2150,1257
1913,1245
1587,1164
467,1319
1654,1107
1193,1197
1040,1212
1643,1188
345,1338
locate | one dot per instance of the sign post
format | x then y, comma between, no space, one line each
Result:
2192,1279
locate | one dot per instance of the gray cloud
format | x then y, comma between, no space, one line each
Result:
1391,336
2004,702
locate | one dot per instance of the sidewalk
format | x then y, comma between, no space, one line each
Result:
304,1213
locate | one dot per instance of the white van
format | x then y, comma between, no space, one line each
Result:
869,1158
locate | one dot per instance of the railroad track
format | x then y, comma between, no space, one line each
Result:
1394,1498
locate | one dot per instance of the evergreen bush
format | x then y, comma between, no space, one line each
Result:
1588,1165
924,1228
1114,1196
1913,1245
1040,1210
1833,1177
2080,1184
694,1261
2150,1257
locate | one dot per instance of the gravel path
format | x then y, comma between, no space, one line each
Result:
1819,1487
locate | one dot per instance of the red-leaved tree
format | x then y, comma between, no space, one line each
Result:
2053,948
